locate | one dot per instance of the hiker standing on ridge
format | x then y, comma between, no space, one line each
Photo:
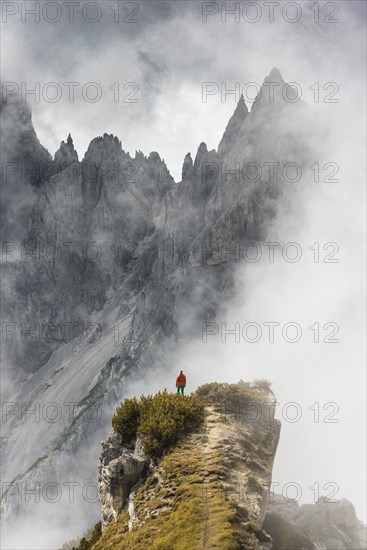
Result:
180,382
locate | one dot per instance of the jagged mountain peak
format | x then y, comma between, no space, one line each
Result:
68,143
155,157
106,146
106,138
233,127
187,167
273,92
66,155
274,75
202,150
139,155
241,110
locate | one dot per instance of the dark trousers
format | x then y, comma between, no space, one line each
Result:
180,389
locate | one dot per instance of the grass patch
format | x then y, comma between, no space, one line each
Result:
185,509
221,394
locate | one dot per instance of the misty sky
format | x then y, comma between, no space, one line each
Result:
168,54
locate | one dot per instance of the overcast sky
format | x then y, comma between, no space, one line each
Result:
168,53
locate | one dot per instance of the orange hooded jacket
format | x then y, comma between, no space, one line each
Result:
181,380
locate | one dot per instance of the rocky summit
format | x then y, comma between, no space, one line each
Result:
211,488
209,491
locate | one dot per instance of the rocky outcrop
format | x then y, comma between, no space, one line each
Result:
272,92
233,127
187,167
285,535
65,155
330,525
119,471
227,465
333,525
248,449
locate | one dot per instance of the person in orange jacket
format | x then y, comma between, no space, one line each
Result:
181,382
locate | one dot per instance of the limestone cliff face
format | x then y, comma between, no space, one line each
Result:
119,470
230,135
24,162
228,462
123,266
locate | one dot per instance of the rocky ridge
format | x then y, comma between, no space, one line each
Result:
330,525
232,458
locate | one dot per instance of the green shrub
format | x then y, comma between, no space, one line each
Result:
165,417
125,421
161,419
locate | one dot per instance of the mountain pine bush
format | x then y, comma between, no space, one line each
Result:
161,419
126,419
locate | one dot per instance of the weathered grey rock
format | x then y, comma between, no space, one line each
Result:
333,524
119,470
283,506
65,155
25,163
330,525
247,450
187,167
272,92
233,127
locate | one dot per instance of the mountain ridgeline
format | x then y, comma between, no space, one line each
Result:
208,488
194,473
116,270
